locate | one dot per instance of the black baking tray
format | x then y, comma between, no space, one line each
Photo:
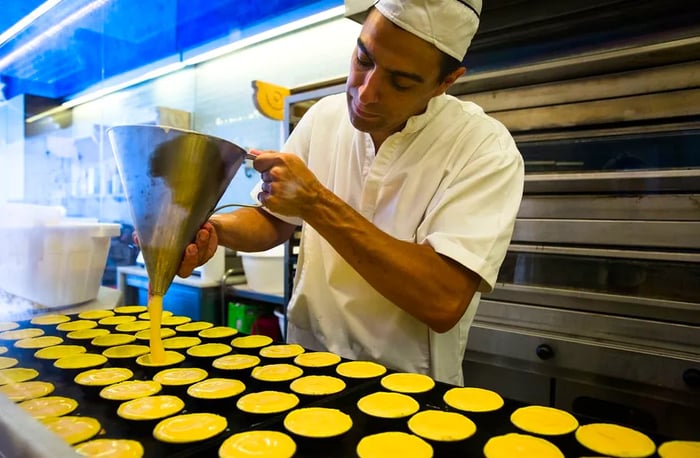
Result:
488,425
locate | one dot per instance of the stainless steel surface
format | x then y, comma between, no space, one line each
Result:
173,180
638,181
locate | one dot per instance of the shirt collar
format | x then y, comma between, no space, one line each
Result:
417,122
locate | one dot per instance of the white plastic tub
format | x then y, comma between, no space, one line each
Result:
264,271
55,263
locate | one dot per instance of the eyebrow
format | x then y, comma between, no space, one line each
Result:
412,76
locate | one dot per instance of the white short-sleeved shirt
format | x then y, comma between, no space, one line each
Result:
452,178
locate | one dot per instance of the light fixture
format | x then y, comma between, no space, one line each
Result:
27,20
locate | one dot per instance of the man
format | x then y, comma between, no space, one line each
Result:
407,197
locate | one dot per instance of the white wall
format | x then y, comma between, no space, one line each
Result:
12,149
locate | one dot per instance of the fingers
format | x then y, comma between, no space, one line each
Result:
190,260
200,251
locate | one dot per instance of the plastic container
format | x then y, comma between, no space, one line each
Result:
264,271
50,260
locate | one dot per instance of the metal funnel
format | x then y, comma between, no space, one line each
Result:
173,179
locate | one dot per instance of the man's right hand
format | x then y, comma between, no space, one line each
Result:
200,251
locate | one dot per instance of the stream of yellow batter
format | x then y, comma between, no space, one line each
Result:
155,312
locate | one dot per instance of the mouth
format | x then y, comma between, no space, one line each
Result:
363,113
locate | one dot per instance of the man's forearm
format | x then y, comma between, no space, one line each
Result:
250,230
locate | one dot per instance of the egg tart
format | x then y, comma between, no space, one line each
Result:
19,334
130,389
103,377
59,351
317,385
393,444
80,361
267,402
23,391
317,359
35,343
130,309
544,421
8,326
209,351
236,362
112,340
360,369
125,352
439,426
3,349
253,342
470,399
180,342
217,333
95,314
147,316
521,445
150,408
116,320
276,372
146,334
76,325
17,375
192,427
679,449
408,383
180,376
615,440
174,320
259,443
111,448
388,405
49,406
6,362
86,335
317,422
48,320
133,326
193,327
216,388
171,358
73,429
281,351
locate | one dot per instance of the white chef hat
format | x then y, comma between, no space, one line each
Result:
450,25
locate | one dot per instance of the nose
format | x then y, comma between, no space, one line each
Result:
368,91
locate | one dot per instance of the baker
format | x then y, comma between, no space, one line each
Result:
407,199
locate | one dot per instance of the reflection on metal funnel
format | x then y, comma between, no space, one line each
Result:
173,179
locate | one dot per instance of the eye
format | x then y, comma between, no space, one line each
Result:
396,83
363,62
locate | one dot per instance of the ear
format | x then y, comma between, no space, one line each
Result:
450,80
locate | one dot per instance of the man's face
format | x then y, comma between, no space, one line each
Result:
393,75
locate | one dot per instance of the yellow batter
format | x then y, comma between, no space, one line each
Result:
169,358
87,334
216,388
17,375
267,402
360,369
76,325
209,350
59,351
49,406
19,334
615,440
133,326
254,341
8,326
393,444
236,362
111,448
155,313
217,332
180,376
73,429
6,362
130,309
317,422
383,404
194,326
404,382
103,377
520,445
18,392
317,359
276,372
150,407
180,342
282,351
125,351
544,421
35,343
48,320
112,340
257,444
441,426
80,361
193,427
680,449
95,314
317,385
471,399
131,389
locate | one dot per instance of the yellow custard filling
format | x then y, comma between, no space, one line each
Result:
520,445
95,314
317,385
76,325
87,334
256,444
80,361
6,362
130,309
111,448
17,375
116,320
615,440
405,382
103,377
192,427
388,405
471,399
216,388
267,402
254,341
18,392
194,326
133,326
48,320
441,426
236,362
59,351
360,369
276,372
317,422
3,349
150,407
317,359
209,350
8,326
147,315
19,334
146,334
180,342
544,421
282,351
73,429
180,376
112,340
125,351
175,320
170,358
679,449
34,343
393,444
49,406
217,332
130,389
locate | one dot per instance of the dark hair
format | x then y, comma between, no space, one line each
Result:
448,65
